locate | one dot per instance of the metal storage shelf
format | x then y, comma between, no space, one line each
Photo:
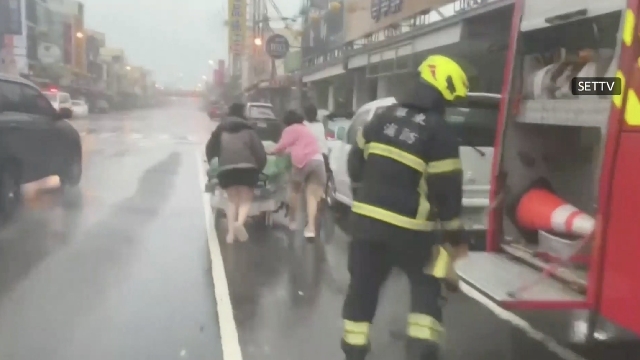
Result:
593,112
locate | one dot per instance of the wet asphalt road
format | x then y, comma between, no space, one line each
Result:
287,298
121,269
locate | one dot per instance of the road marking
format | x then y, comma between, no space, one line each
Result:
228,330
548,342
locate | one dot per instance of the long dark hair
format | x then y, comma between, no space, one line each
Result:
311,113
291,117
237,110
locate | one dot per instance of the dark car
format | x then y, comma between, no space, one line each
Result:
101,107
36,141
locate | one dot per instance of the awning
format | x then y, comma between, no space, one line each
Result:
279,82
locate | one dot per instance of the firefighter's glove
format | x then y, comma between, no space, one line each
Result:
443,258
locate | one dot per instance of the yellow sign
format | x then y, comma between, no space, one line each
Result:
237,26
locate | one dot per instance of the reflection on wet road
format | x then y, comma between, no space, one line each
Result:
119,268
287,299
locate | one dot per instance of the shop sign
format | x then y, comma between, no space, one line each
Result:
237,26
277,46
466,5
368,16
383,8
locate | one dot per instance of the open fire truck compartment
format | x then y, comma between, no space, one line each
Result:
555,142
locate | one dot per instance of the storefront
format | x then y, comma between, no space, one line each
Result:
383,51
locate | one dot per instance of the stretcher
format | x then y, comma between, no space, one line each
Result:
269,198
270,195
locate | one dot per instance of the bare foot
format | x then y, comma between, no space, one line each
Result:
241,232
309,233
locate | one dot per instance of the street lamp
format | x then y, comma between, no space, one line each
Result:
79,35
210,62
257,41
204,77
128,67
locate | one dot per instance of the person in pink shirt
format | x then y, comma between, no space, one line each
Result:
300,143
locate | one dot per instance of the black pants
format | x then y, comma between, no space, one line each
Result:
370,263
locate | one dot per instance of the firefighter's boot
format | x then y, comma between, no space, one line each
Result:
355,352
420,349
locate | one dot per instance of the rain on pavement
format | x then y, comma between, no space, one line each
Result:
121,268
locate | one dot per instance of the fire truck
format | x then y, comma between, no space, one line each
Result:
563,234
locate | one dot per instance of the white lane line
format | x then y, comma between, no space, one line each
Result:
548,342
228,330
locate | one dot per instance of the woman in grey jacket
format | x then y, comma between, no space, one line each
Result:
241,159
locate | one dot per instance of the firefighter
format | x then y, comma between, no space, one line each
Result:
407,178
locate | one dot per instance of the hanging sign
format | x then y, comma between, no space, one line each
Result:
277,46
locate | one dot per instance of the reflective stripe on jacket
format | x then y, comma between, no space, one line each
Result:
409,171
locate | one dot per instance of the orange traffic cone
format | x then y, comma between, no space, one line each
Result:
541,209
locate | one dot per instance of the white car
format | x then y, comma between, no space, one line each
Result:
59,100
334,127
475,121
80,108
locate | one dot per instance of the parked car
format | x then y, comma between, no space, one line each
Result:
80,108
334,126
59,100
101,107
36,141
475,121
216,110
268,126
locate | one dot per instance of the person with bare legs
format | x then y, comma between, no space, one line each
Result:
308,172
241,159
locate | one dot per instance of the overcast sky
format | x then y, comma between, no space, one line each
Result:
170,37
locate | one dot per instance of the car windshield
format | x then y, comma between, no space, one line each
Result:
77,103
260,112
51,96
475,126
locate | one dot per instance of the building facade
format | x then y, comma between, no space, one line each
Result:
383,42
94,41
13,37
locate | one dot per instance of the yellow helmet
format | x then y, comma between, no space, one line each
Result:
445,75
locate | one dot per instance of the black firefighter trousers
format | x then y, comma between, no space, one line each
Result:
370,263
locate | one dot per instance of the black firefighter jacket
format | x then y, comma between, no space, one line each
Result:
408,172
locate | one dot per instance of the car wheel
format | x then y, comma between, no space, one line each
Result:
10,191
73,174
